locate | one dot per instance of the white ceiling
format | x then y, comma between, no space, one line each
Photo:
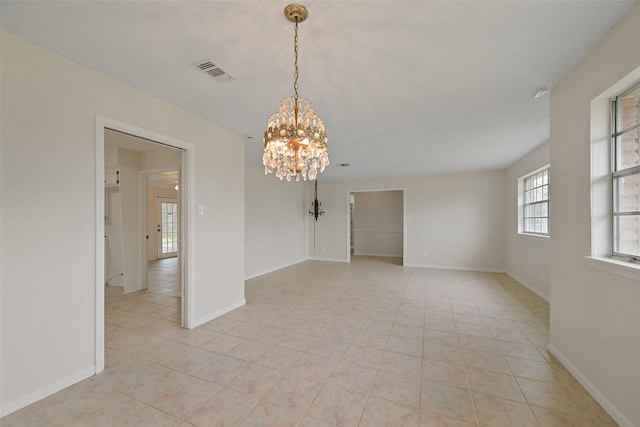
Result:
164,179
404,87
114,139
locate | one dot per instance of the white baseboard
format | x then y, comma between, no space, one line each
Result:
45,391
218,313
593,391
528,286
271,270
380,255
457,268
313,258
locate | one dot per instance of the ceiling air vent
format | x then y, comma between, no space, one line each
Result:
214,70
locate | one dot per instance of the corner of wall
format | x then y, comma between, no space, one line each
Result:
209,317
528,286
593,391
49,389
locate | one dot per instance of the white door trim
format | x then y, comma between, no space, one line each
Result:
187,218
144,188
404,219
158,241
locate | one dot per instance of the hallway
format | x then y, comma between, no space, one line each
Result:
163,276
158,305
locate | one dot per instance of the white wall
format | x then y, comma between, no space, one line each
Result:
456,220
377,222
595,314
48,202
113,237
127,198
131,234
160,158
276,220
527,256
110,156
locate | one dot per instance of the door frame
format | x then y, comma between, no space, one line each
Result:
404,218
144,221
158,241
187,218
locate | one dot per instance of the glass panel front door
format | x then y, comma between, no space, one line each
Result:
167,227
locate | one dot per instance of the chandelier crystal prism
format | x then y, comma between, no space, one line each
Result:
295,142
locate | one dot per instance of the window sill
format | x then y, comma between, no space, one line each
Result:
537,236
624,269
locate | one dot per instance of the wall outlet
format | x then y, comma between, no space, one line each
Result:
324,249
424,253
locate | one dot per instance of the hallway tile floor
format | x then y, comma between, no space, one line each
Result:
319,344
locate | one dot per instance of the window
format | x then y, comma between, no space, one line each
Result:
625,127
534,203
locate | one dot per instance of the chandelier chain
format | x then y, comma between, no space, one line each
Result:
295,74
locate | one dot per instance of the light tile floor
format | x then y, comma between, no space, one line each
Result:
318,344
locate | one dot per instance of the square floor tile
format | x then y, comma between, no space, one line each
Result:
497,412
226,408
352,376
446,400
397,388
181,399
293,392
256,380
338,406
379,412
494,384
432,419
268,414
401,364
444,373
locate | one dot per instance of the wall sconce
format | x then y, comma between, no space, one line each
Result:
316,207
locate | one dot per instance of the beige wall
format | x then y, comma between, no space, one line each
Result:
451,221
276,220
595,314
48,208
456,219
527,256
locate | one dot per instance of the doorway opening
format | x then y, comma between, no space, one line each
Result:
166,218
134,168
376,223
163,231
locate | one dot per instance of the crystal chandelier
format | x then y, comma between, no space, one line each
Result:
295,143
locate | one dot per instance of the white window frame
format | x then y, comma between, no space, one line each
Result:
523,204
601,257
619,174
